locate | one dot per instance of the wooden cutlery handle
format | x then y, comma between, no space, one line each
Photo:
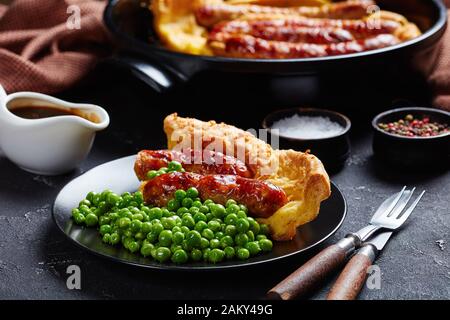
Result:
301,281
351,280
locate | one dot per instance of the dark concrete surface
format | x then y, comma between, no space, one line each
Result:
34,255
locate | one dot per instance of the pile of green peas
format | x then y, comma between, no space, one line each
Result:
186,230
173,166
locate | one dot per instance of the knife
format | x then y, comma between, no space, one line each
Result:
352,278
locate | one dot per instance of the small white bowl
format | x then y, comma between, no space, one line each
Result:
47,146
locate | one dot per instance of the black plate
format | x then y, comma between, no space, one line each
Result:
118,176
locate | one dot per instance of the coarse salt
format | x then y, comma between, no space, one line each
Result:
308,127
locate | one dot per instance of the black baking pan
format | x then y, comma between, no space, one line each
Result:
130,22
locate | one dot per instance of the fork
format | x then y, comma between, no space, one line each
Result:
388,216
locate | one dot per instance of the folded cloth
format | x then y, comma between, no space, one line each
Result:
439,78
49,45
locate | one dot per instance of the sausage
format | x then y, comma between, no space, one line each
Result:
261,198
245,46
282,33
208,15
198,161
306,28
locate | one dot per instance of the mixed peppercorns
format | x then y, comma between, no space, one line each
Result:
413,127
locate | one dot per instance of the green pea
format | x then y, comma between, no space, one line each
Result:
162,254
162,170
106,238
152,237
219,235
193,238
230,202
208,202
168,223
204,243
136,225
173,205
194,211
209,216
229,252
232,209
230,230
165,238
266,245
208,233
175,166
216,255
104,229
187,202
128,233
146,249
243,208
251,235
104,220
218,210
91,220
152,174
199,217
186,246
75,212
200,226
180,195
157,228
241,239
176,229
192,193
231,218
133,246
261,237
188,221
96,199
113,216
243,254
85,202
113,199
182,211
214,225
115,238
204,209
264,229
206,252
139,236
104,194
138,216
226,241
155,213
214,243
80,218
174,247
123,213
124,223
90,196
241,214
180,256
146,227
196,204
185,229
138,197
196,255
253,247
178,237
84,209
242,225
126,241
166,213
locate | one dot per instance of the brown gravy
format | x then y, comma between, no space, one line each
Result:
40,112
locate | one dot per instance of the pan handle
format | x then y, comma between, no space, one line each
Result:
152,73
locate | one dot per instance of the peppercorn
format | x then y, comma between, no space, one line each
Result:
412,127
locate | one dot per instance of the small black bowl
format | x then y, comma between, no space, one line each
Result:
332,151
412,152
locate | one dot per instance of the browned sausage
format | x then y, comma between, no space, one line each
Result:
250,47
261,198
209,14
201,161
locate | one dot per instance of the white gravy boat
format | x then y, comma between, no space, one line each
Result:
52,145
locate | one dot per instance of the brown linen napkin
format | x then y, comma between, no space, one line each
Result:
40,52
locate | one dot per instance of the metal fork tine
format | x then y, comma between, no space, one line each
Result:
398,210
410,209
394,203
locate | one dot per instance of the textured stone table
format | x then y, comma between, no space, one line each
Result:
34,255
